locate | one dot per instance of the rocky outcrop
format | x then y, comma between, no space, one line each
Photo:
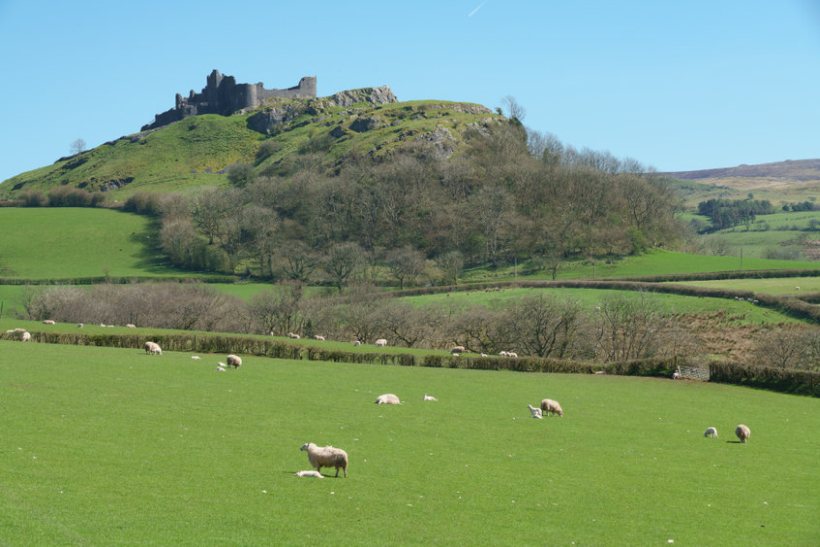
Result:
371,95
269,120
441,142
366,123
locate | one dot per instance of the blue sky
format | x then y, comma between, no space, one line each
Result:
677,85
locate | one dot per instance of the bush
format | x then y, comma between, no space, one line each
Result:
65,196
800,382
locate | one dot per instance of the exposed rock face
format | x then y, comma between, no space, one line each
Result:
441,140
269,120
372,95
365,123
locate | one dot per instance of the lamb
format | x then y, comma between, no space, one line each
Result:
310,473
743,433
711,432
319,337
326,456
551,407
234,361
25,336
196,357
152,348
381,342
388,399
293,335
220,367
535,412
676,375
49,322
429,398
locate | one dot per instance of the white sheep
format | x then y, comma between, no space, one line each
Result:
220,367
326,456
512,354
293,335
711,432
743,432
196,357
80,325
152,348
131,326
319,337
25,336
234,361
484,355
49,322
357,343
458,349
676,375
503,354
548,406
388,399
429,398
381,342
534,412
310,473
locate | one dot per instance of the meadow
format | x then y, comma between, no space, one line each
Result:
104,446
774,285
740,312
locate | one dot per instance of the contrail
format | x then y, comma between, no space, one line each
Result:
481,5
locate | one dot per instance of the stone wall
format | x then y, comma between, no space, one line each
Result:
222,95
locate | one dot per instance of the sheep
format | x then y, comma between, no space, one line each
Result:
49,322
512,354
234,361
381,342
220,367
293,335
458,349
711,432
196,357
310,473
152,348
429,398
131,326
484,355
357,343
534,412
387,399
25,337
503,354
80,325
676,375
326,456
319,337
743,433
551,407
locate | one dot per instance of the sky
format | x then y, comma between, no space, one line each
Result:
678,85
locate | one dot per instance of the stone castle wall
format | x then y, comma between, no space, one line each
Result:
222,95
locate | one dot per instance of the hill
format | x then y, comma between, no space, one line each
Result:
778,182
197,151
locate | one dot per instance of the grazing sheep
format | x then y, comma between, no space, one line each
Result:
676,375
534,412
152,348
484,355
458,349
310,473
319,337
49,322
381,342
551,407
326,456
357,343
220,367
25,337
387,399
234,361
80,325
711,432
429,398
293,335
743,432
196,357
131,326
503,354
512,354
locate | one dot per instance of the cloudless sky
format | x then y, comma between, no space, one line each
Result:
678,85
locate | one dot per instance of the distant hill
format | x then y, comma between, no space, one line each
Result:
779,182
274,137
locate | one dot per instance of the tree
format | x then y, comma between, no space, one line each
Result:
278,309
241,174
451,265
77,147
514,110
341,261
405,264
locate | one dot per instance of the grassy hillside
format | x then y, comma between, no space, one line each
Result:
93,433
75,242
197,150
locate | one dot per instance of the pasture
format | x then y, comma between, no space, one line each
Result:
741,312
774,285
105,446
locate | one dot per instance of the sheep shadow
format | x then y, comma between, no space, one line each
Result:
735,442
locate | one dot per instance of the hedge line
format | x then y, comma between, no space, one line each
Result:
117,280
782,380
799,382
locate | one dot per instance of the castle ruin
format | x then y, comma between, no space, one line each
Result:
222,95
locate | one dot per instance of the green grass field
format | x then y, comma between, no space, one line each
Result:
42,243
107,446
775,285
739,312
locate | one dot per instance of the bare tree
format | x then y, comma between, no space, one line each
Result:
405,264
514,109
77,146
341,261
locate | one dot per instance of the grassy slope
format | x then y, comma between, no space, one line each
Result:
190,153
739,312
103,446
76,242
780,286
